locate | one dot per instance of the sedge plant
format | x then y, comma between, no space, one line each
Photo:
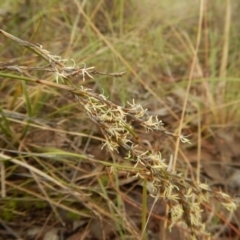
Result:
183,196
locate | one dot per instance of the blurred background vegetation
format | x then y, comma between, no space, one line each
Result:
154,42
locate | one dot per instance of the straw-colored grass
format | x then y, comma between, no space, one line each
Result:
76,148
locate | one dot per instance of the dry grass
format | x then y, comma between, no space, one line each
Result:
182,65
